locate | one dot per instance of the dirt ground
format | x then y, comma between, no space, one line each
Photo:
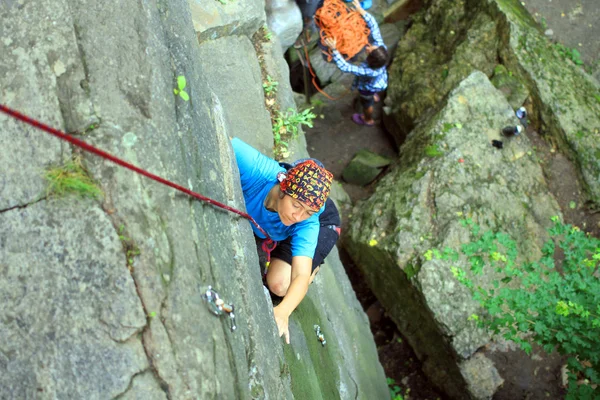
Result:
335,139
574,23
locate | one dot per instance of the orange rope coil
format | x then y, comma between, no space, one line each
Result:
349,29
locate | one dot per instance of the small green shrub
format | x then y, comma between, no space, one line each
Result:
181,84
270,85
268,35
557,307
395,390
569,54
71,178
287,124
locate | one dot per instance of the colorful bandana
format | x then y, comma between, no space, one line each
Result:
308,183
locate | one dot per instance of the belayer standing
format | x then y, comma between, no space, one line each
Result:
290,202
371,76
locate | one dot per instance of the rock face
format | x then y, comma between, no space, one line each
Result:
285,20
448,170
101,298
449,40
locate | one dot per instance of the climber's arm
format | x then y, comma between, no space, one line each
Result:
300,279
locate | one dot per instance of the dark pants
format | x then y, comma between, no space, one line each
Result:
367,99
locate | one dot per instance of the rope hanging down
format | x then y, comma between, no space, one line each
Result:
89,148
335,20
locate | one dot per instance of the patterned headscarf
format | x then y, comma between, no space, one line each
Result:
307,182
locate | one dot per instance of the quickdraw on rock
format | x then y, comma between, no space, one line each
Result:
320,335
217,306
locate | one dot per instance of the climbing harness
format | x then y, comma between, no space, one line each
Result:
320,336
217,306
91,149
349,29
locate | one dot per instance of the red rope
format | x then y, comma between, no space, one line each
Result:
87,147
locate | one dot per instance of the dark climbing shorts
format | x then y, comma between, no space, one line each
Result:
367,99
327,239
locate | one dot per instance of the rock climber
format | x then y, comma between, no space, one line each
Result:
290,202
371,75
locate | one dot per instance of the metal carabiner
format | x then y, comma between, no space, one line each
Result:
217,306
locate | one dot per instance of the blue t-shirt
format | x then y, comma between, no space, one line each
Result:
258,174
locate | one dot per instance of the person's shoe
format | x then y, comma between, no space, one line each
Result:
358,119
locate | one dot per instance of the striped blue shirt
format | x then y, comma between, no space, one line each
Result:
367,79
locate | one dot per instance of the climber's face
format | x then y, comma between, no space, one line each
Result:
292,211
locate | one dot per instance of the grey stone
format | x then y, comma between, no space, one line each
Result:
480,369
217,19
285,20
235,78
325,70
511,86
144,387
417,207
549,32
70,310
364,167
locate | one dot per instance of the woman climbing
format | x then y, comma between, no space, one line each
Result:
371,76
290,202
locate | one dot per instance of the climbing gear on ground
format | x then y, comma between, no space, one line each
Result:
320,335
217,306
268,245
308,183
497,144
349,29
522,115
509,131
91,149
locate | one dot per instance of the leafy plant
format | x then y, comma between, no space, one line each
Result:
270,85
555,306
179,91
568,53
131,250
267,32
286,124
395,390
71,178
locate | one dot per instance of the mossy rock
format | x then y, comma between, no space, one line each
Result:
511,86
364,167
